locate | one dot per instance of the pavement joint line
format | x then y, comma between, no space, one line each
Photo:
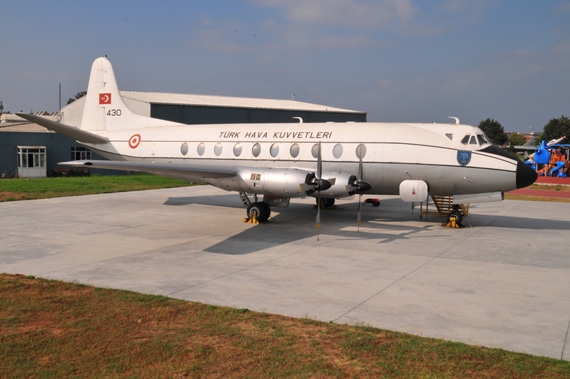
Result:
238,271
405,276
565,340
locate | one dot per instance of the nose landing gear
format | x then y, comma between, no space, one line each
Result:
455,217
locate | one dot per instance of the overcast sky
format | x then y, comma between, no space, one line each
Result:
397,60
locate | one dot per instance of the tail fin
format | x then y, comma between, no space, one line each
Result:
105,109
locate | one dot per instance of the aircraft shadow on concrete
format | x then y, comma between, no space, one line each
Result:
390,222
298,222
227,201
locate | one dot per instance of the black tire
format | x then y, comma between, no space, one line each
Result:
261,209
267,210
325,202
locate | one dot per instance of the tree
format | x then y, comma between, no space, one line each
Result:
556,128
79,95
517,139
494,130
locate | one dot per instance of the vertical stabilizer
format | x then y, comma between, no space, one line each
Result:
105,109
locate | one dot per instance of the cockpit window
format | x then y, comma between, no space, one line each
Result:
481,139
449,135
465,140
473,141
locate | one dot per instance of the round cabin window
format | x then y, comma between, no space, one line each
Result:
237,149
201,148
274,150
360,151
337,150
295,149
184,149
218,149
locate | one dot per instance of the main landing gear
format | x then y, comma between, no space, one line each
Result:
325,203
257,212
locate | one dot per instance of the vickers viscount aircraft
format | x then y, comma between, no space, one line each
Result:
294,160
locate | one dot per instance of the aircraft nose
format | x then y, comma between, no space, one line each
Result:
525,175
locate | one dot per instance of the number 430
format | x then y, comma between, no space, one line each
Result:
114,112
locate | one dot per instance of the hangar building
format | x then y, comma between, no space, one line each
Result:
29,150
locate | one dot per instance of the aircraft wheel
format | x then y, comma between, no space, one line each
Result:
262,211
267,208
325,202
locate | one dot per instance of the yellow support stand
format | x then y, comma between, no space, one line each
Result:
452,222
252,219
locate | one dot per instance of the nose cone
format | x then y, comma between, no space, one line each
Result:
525,175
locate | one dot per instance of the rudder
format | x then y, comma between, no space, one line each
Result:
105,109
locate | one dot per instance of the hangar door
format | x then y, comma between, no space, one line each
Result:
32,161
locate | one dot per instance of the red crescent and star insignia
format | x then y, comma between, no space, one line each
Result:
134,141
104,98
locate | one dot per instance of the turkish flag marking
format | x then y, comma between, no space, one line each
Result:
104,98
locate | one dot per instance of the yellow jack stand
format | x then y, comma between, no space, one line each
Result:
252,220
452,222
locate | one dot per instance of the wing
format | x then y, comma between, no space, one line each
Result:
166,169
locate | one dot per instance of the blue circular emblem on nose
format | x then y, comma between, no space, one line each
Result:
463,157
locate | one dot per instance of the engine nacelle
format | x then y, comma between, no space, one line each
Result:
278,182
343,185
287,182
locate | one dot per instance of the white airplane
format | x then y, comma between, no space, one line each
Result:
283,161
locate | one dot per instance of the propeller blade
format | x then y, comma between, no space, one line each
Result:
360,166
320,184
360,185
318,221
319,163
359,217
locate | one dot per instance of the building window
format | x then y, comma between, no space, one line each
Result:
31,157
80,153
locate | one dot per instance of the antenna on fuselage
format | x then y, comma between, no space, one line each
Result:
300,119
455,118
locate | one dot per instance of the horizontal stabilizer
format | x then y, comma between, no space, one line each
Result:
200,171
66,130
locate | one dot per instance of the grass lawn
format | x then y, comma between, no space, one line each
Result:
52,329
43,188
